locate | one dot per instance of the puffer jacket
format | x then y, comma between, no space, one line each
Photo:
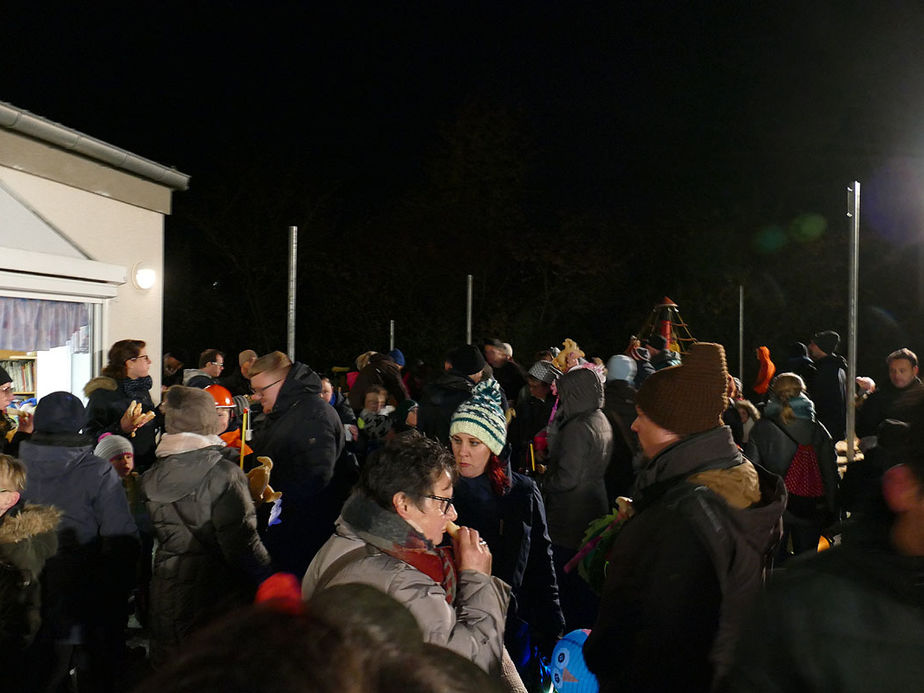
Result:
580,447
473,626
684,570
209,557
28,537
108,400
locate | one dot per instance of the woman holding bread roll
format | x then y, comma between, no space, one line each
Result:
120,400
507,510
387,536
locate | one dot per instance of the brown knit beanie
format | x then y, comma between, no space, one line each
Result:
688,398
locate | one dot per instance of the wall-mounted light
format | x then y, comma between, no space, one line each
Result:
143,276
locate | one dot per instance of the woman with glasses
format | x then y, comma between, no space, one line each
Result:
387,537
507,510
124,379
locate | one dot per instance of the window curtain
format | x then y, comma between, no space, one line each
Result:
29,324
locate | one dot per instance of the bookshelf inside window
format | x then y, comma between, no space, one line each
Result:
21,367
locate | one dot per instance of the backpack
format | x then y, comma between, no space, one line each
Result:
803,478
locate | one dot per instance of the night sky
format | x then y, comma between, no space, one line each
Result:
740,126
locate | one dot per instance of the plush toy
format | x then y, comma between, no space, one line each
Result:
568,356
568,670
258,480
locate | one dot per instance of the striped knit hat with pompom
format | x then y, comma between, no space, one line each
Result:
482,416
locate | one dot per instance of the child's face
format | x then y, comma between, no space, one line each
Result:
374,401
8,496
123,464
224,418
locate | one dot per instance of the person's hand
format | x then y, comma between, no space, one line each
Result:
25,422
354,432
868,385
472,553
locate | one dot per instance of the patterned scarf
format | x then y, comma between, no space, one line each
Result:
388,532
137,388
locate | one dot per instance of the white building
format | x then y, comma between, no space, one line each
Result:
81,252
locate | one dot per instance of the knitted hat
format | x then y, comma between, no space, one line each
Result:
481,416
190,410
59,412
111,445
4,376
620,367
827,341
545,371
467,360
397,356
688,398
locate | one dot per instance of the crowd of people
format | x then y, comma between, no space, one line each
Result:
401,528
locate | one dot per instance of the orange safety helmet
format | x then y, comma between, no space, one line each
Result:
221,395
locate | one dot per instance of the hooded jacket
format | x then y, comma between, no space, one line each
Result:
196,377
108,400
684,569
28,537
209,556
380,370
580,447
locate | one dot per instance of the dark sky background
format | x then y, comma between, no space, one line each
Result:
671,122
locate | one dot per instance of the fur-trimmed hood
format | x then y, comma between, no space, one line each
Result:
100,382
30,522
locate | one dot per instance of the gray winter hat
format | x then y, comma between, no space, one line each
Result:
190,410
544,371
111,445
620,367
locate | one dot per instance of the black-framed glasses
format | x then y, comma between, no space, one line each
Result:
446,503
141,356
261,390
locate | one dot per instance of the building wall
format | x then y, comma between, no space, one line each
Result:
109,231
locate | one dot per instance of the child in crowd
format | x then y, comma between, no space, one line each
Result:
373,421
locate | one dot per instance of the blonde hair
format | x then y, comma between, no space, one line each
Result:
14,471
273,361
785,387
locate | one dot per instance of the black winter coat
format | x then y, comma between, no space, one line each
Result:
887,402
108,401
829,393
514,526
438,403
209,556
683,570
304,437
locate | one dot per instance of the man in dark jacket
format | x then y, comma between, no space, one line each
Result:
684,568
304,437
85,584
850,618
211,364
441,397
891,401
798,362
829,388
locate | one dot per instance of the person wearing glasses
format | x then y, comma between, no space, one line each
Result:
124,379
387,536
211,364
507,509
22,425
303,436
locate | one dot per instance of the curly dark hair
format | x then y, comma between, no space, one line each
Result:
409,463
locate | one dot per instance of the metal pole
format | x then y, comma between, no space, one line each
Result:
741,333
293,257
391,335
853,213
468,312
